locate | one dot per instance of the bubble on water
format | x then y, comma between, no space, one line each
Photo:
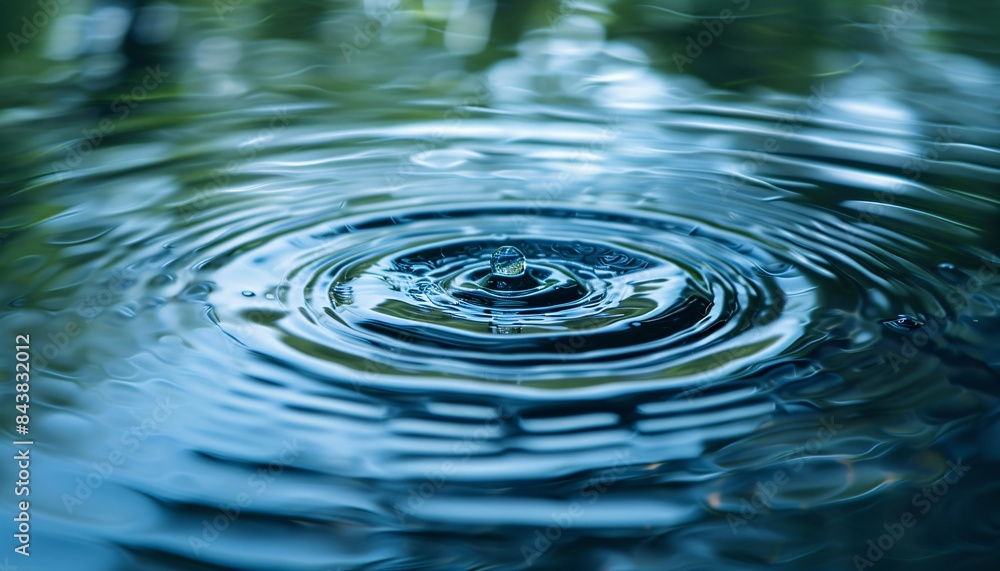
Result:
507,261
248,293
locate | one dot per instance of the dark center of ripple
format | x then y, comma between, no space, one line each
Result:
457,296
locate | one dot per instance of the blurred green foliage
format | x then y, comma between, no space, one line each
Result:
779,44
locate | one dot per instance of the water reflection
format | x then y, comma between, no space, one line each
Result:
758,327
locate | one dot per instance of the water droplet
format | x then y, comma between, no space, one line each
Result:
248,293
950,273
507,261
904,322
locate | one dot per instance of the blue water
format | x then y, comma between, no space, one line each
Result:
276,322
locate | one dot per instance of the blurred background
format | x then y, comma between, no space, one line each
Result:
247,45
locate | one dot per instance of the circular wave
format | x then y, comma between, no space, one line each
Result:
609,297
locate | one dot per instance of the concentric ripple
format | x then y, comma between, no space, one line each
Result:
650,295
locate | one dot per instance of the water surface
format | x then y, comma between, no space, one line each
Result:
759,330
